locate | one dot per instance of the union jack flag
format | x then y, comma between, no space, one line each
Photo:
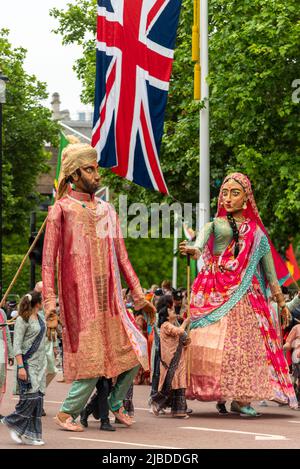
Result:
135,48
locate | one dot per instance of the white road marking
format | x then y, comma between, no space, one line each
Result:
123,443
60,402
47,402
258,436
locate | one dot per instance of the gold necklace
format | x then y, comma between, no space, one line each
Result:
90,211
239,220
83,204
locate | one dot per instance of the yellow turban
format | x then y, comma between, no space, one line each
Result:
74,156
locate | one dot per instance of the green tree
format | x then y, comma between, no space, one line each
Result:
254,55
155,264
179,152
254,123
28,126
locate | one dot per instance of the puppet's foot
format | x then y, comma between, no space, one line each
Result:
67,422
123,417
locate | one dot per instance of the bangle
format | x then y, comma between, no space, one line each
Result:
20,366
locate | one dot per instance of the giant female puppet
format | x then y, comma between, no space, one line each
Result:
99,337
235,351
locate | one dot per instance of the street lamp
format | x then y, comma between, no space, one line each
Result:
3,81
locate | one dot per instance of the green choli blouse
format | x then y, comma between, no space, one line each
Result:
261,257
223,236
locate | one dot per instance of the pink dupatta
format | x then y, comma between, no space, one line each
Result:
251,212
222,275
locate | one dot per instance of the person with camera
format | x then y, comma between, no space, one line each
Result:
177,300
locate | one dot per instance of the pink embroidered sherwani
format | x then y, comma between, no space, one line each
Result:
100,339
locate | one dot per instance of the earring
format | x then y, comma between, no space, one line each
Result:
73,187
245,205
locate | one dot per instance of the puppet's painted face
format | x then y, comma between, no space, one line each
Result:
89,179
233,196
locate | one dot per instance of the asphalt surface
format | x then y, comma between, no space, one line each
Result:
277,428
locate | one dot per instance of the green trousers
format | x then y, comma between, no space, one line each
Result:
82,389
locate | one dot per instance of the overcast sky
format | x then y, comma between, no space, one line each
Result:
30,27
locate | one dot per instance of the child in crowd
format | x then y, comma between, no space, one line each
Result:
25,423
163,302
293,343
173,348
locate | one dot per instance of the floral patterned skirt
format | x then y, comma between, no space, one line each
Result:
230,360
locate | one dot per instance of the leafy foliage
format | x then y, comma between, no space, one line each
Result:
155,265
27,126
11,263
254,124
254,55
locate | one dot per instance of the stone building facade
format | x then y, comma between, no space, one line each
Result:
83,125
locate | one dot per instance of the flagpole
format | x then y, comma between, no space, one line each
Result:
175,252
204,163
294,281
88,139
188,287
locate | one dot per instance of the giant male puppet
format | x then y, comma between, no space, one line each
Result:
84,244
